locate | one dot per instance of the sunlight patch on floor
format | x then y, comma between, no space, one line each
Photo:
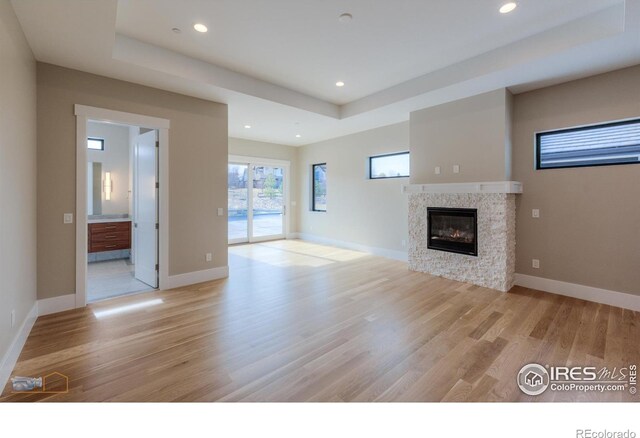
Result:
316,250
277,257
286,253
117,310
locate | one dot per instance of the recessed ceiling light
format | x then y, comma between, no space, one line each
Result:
200,27
345,18
176,30
508,7
298,136
339,84
247,126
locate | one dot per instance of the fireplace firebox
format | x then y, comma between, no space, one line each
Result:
453,230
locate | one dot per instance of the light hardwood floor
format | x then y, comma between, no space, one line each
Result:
303,322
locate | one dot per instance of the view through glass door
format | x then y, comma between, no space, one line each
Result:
257,202
268,202
238,204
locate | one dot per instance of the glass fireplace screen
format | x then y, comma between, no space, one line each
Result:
453,230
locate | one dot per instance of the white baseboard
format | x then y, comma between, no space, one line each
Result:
382,252
56,304
11,356
588,293
197,277
68,302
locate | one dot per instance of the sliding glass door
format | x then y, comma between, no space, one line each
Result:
257,201
268,202
238,203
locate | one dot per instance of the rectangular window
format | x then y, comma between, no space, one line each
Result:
598,145
96,144
319,187
389,166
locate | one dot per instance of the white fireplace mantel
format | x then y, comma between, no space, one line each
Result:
471,187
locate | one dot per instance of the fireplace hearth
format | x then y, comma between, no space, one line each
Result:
453,230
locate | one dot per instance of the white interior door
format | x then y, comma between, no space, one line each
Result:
145,194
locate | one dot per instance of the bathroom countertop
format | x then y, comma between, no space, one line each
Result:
104,220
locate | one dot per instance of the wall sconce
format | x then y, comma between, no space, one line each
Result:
108,186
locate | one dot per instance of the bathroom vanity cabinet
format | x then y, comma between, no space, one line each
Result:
109,236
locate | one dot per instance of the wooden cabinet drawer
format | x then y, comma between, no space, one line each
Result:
109,246
110,236
109,226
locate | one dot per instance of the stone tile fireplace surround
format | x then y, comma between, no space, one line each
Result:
494,266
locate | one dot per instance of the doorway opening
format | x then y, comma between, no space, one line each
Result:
122,210
84,114
258,197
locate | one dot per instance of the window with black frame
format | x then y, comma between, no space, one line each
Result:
389,166
319,187
598,145
95,144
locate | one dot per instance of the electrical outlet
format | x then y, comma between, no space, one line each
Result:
437,170
13,318
67,218
220,211
535,213
456,168
208,256
404,243
535,263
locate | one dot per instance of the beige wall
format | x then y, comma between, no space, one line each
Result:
197,170
359,210
589,226
114,159
17,176
472,133
239,146
258,149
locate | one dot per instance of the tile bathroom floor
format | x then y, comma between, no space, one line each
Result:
112,278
